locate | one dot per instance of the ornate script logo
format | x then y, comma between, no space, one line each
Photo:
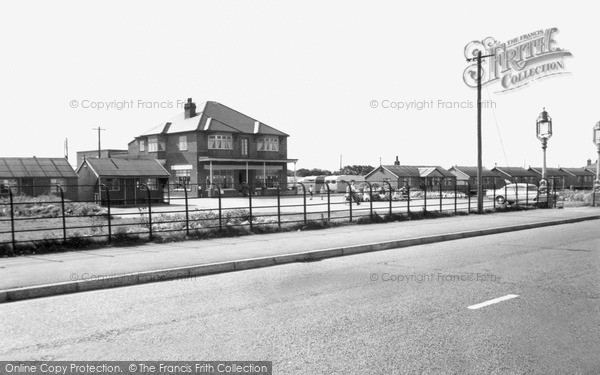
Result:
517,62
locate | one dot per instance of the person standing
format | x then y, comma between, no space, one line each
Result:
310,192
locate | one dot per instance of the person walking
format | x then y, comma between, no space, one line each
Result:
351,192
310,192
322,191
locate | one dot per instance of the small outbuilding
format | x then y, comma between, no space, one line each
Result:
37,176
127,181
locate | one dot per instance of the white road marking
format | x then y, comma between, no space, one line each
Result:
492,301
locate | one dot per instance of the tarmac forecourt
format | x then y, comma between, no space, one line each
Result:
498,223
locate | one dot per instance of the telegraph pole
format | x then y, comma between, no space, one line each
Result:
99,147
479,152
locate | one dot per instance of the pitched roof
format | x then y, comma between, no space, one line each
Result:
550,171
36,167
414,171
515,171
472,171
216,117
578,171
125,167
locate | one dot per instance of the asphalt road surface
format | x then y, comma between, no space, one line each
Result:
422,309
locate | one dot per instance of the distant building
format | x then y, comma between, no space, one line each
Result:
468,176
579,178
422,177
37,176
518,174
127,181
216,145
555,176
104,153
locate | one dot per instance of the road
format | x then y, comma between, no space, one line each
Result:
401,311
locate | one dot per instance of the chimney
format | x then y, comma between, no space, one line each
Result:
190,108
397,162
589,162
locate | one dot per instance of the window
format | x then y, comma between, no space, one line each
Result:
183,143
153,145
58,181
268,144
142,145
6,185
223,178
272,179
219,142
113,184
182,179
244,146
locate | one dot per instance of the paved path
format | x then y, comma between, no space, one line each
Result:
35,270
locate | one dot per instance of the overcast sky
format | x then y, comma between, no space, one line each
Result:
309,68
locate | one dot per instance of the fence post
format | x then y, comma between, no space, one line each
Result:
455,198
349,198
390,187
408,198
494,196
12,219
278,206
328,201
187,211
108,211
304,197
469,197
62,206
220,209
250,207
149,210
440,195
425,197
370,198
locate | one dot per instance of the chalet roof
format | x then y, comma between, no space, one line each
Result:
582,171
550,171
36,167
213,116
515,171
109,167
415,171
472,171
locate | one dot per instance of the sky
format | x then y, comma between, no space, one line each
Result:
326,73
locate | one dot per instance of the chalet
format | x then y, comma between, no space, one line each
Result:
126,180
468,176
37,176
556,178
579,178
518,174
215,145
414,176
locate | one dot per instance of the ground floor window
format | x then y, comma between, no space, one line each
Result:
182,179
271,179
58,181
223,178
6,185
113,184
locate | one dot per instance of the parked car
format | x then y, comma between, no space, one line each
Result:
520,193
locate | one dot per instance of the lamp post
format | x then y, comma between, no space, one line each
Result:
597,143
544,132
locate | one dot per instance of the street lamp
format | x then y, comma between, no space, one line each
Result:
597,143
544,132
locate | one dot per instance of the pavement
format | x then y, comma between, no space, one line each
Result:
34,276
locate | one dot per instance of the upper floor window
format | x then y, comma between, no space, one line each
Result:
153,145
220,142
142,145
183,143
245,146
268,144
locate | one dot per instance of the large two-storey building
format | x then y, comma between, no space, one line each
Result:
214,145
